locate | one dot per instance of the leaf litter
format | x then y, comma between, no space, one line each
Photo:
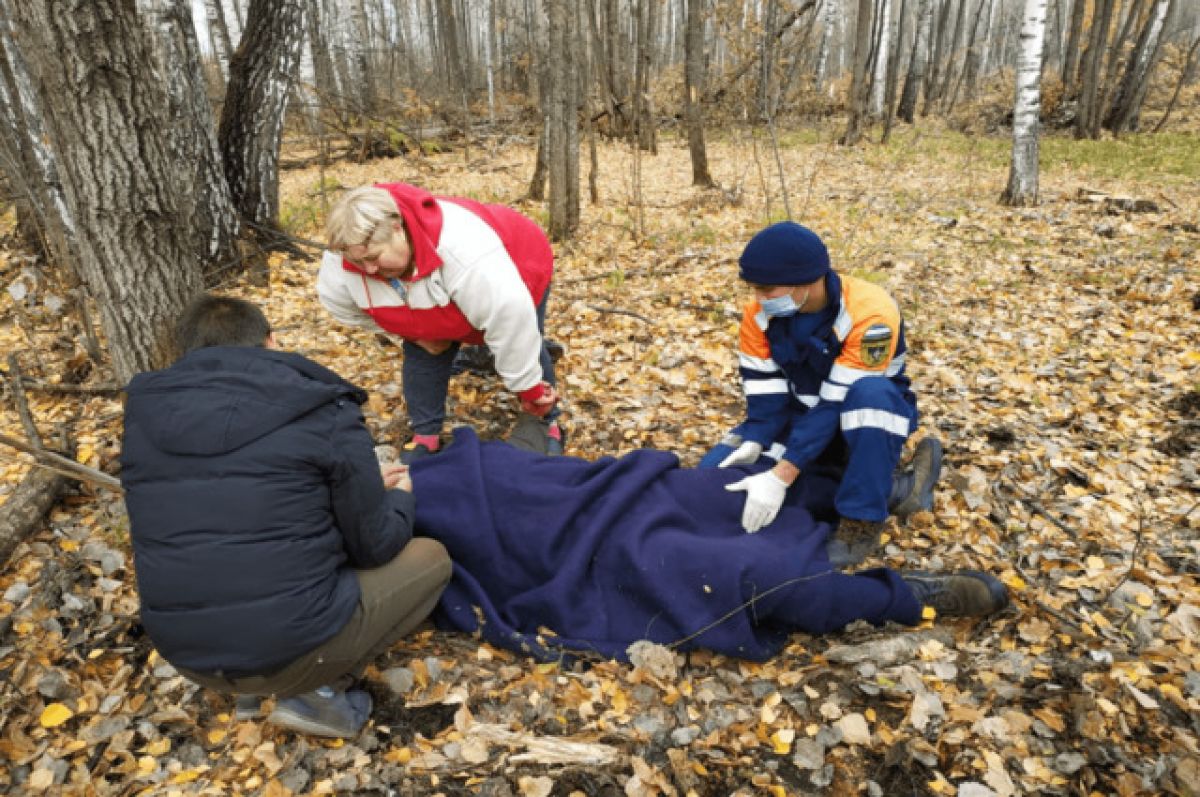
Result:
1055,350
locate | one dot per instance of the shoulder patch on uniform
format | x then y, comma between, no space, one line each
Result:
876,343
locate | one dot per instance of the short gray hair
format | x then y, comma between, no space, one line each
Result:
363,216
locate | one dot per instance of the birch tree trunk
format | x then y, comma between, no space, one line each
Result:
363,68
105,112
252,117
879,81
916,64
222,44
1127,101
318,47
562,123
693,90
1023,174
45,221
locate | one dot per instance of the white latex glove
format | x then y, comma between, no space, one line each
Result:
746,454
764,495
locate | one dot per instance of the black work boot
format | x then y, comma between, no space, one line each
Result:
853,542
912,490
967,593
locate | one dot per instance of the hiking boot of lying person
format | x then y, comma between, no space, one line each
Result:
853,542
912,490
324,711
536,435
967,593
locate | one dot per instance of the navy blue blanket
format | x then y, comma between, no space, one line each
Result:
557,555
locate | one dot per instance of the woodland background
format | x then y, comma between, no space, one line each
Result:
1055,340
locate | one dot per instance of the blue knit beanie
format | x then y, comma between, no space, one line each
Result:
785,253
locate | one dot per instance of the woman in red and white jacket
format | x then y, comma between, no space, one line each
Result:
439,272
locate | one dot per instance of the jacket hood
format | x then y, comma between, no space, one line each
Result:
220,398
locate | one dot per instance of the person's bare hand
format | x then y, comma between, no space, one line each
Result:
434,347
395,476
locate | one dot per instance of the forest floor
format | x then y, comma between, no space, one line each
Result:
1055,350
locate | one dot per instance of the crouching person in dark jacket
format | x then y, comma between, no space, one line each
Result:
274,554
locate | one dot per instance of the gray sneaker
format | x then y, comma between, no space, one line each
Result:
967,593
246,707
853,542
324,712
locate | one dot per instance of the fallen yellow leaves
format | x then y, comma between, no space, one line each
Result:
54,715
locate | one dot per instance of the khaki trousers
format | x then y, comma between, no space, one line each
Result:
395,598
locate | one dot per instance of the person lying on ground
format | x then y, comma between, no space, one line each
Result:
273,555
630,548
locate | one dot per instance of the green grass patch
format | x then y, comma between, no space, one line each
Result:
1132,156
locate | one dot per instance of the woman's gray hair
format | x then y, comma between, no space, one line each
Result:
363,216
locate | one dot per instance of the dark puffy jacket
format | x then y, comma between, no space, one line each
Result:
252,490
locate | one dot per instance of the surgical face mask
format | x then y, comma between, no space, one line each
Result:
781,306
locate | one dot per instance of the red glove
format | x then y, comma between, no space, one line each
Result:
539,399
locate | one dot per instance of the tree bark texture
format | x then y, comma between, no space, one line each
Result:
915,78
860,81
1070,64
222,44
26,507
252,118
1023,174
45,221
693,89
215,222
105,114
562,122
1127,101
1087,120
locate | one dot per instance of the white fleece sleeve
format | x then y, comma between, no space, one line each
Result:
335,295
484,282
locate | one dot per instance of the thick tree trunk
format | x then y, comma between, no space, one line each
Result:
693,90
1023,175
562,122
916,64
252,118
105,121
215,222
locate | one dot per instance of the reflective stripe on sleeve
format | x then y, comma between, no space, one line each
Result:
766,365
759,387
832,392
847,375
